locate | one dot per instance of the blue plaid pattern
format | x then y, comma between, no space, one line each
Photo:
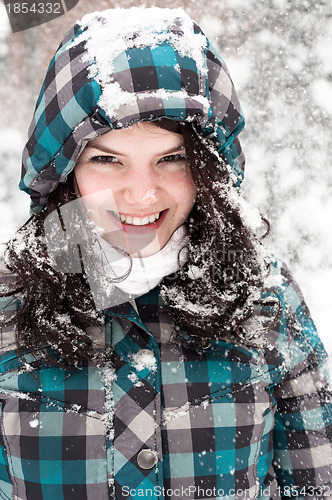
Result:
71,106
223,422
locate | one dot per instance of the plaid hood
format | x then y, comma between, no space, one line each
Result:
116,68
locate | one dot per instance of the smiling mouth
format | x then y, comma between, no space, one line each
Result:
129,220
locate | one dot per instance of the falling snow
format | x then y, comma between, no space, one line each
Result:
34,423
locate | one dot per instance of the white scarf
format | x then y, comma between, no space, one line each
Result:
146,272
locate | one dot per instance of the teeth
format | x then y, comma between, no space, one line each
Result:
138,221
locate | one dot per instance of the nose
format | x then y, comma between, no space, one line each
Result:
142,188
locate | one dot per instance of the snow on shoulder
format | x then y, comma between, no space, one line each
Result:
144,359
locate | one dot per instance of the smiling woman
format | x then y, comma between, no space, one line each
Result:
137,176
151,346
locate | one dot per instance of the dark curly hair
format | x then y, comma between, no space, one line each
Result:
212,296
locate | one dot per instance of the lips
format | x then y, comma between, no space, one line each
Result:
137,221
133,223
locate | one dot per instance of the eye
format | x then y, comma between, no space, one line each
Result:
104,159
174,158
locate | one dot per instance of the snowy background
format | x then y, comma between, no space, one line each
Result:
280,58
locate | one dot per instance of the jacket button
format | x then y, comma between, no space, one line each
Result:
147,459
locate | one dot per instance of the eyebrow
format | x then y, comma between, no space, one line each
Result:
112,151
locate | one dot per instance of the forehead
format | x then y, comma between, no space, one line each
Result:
142,133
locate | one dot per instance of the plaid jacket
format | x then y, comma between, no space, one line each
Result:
161,420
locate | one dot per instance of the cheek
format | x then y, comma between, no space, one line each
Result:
96,191
95,186
184,191
88,182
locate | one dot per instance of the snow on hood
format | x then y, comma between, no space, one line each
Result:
118,67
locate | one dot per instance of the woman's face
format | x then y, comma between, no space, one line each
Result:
137,186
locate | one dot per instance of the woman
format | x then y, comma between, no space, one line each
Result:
150,347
